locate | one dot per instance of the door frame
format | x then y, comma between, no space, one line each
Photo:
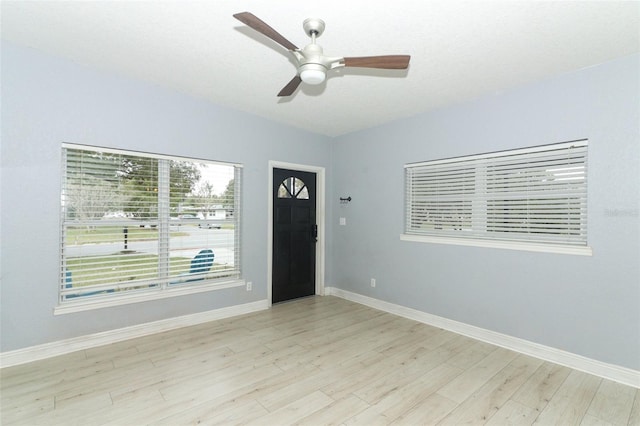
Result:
320,219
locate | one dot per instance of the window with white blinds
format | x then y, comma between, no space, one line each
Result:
145,223
535,195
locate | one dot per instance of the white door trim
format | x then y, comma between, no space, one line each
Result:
320,219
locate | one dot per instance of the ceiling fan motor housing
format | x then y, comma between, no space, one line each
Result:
312,68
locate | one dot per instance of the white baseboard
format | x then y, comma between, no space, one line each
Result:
61,347
616,373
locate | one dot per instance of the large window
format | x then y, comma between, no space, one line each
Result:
141,226
526,198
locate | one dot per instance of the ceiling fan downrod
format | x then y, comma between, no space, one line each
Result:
313,64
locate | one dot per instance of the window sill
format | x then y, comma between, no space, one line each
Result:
143,296
508,245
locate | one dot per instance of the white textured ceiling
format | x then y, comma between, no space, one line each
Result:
459,49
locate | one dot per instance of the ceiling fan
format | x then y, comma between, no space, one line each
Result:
312,63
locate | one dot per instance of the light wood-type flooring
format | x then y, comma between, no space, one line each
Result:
314,361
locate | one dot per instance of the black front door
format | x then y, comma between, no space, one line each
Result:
294,234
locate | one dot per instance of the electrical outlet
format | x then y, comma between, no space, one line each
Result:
373,282
249,285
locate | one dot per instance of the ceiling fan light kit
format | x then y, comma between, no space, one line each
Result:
313,73
312,64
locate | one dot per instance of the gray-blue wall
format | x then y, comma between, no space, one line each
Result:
586,305
47,101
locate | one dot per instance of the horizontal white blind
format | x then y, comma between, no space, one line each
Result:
115,151
537,194
132,222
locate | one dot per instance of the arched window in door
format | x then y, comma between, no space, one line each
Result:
293,187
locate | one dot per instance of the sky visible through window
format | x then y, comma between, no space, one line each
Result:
217,176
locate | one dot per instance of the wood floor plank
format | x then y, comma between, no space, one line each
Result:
228,398
541,386
278,398
612,403
570,403
313,361
428,411
408,397
197,394
211,414
218,384
487,400
472,355
15,412
296,410
634,416
400,374
335,413
45,367
355,379
463,386
589,420
513,413
224,396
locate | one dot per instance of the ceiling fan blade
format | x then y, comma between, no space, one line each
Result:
389,62
259,25
291,86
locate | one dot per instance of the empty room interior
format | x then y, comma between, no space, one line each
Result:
209,216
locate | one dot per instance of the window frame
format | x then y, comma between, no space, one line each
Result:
164,288
478,192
